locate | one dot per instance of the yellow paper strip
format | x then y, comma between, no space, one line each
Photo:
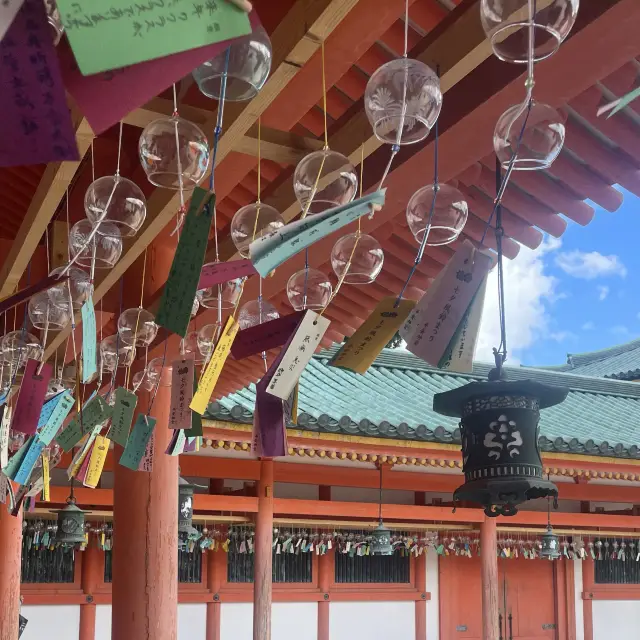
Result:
45,477
364,346
212,373
96,462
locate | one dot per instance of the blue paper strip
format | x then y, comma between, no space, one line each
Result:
28,462
270,251
89,344
57,417
137,442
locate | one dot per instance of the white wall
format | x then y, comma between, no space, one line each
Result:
57,622
371,620
192,621
433,587
289,621
619,619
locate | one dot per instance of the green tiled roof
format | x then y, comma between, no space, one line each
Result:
394,399
621,362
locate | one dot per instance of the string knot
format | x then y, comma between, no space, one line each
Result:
395,148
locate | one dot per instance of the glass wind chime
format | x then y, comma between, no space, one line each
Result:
499,419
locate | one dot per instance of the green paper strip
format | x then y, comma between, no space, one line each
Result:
94,413
16,460
177,297
137,442
57,417
116,33
89,344
123,410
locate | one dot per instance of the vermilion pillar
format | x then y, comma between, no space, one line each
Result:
263,560
92,575
10,550
145,556
324,578
489,560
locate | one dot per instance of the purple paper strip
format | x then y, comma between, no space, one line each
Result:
265,336
31,398
36,124
189,447
106,98
269,415
218,272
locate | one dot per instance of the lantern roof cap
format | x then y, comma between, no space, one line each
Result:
451,403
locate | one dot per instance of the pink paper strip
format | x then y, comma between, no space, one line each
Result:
106,98
84,467
219,272
265,336
31,398
36,125
189,447
146,462
181,394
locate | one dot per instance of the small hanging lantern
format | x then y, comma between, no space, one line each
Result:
185,507
70,524
550,545
500,453
381,536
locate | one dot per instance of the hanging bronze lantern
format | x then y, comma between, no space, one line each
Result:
499,429
70,524
550,545
185,507
381,541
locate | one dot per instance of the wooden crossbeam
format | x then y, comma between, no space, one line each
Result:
282,147
294,41
51,189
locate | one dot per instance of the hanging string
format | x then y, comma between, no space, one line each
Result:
427,230
396,147
102,216
164,359
93,166
46,323
314,190
135,333
500,354
182,210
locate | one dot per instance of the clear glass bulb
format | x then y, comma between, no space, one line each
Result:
80,284
44,315
117,200
309,289
107,242
248,66
252,222
254,312
114,352
206,339
360,255
53,18
174,153
159,369
447,220
188,347
137,326
325,177
141,381
542,139
20,346
230,294
402,101
507,25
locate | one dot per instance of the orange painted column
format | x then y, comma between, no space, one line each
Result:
324,578
216,568
262,587
421,587
92,575
11,553
145,558
489,561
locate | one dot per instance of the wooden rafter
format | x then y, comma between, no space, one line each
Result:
51,189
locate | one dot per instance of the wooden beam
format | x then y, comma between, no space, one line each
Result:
282,147
51,189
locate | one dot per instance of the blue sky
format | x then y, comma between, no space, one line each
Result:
573,294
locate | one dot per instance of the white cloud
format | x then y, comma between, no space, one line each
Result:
528,291
562,336
589,326
589,266
603,292
620,330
